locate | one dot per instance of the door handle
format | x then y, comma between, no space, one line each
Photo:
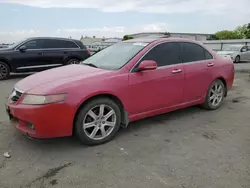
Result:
40,53
176,71
210,64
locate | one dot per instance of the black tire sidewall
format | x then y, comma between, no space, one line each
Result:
81,115
8,68
207,101
237,57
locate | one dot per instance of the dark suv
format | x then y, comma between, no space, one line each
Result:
38,54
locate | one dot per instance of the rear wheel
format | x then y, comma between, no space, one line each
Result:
98,121
4,70
72,61
215,95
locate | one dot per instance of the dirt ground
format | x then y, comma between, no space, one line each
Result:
190,148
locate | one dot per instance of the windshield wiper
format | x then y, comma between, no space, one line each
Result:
90,64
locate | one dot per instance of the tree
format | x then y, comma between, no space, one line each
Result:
247,34
226,34
241,32
127,37
244,30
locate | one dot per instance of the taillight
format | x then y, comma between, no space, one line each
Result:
88,52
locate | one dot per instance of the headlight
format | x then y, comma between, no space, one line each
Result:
42,99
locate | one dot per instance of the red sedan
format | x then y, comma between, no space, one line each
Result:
125,82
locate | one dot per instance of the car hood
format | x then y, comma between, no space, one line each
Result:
57,76
226,52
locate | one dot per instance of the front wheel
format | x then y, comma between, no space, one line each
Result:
237,59
98,121
215,95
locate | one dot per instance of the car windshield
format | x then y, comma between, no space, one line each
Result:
115,56
233,48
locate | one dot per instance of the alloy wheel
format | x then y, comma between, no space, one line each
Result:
216,94
99,122
3,71
73,61
237,59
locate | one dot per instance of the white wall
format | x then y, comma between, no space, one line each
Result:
217,45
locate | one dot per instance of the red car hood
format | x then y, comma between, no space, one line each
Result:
56,74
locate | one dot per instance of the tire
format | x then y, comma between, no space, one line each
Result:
4,71
209,103
92,134
72,61
237,59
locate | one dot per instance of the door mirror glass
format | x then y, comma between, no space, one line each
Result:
147,65
22,48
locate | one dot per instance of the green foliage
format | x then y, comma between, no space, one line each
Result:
225,34
127,37
241,32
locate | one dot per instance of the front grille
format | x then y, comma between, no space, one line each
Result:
15,95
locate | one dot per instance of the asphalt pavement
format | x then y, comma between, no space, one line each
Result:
190,148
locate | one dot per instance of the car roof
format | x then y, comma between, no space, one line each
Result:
59,38
161,39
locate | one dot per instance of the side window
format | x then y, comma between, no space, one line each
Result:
34,44
165,54
244,48
55,43
208,55
67,44
193,52
50,43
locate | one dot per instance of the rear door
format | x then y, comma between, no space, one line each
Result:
198,65
159,88
57,51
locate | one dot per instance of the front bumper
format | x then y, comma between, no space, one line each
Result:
42,121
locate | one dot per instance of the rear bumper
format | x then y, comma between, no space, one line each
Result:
42,121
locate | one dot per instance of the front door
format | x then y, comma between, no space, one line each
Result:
31,57
245,53
159,88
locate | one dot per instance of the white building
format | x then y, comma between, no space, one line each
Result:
218,45
101,44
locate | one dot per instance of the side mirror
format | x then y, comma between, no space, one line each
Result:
243,50
147,65
22,48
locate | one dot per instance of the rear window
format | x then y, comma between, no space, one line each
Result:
80,44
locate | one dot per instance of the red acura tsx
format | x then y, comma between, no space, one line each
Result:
125,82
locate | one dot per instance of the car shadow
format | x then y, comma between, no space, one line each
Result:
71,143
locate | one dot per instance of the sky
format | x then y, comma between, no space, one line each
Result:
112,18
